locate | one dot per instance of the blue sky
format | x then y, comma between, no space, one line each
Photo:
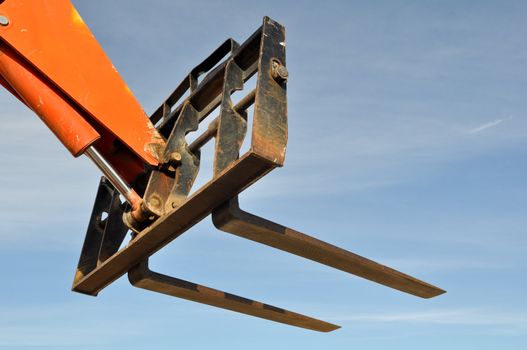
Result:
407,144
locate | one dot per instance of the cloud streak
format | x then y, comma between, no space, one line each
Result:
487,126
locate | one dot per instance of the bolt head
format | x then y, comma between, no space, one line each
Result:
279,72
282,72
154,202
4,21
175,157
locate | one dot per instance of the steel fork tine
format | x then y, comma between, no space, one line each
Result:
230,218
142,277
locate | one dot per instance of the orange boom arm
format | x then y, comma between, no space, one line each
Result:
50,60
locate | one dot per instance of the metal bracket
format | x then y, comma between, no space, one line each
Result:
106,230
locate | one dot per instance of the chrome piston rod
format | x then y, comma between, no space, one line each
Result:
117,181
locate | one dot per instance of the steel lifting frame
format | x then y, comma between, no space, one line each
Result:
166,190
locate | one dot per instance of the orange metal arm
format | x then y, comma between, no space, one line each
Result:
67,124
49,54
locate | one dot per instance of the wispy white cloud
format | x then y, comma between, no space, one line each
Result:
487,125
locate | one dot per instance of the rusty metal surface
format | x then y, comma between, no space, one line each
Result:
244,171
190,83
231,175
167,189
142,277
230,218
105,232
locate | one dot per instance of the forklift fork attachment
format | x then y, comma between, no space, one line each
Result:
230,218
142,277
166,190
